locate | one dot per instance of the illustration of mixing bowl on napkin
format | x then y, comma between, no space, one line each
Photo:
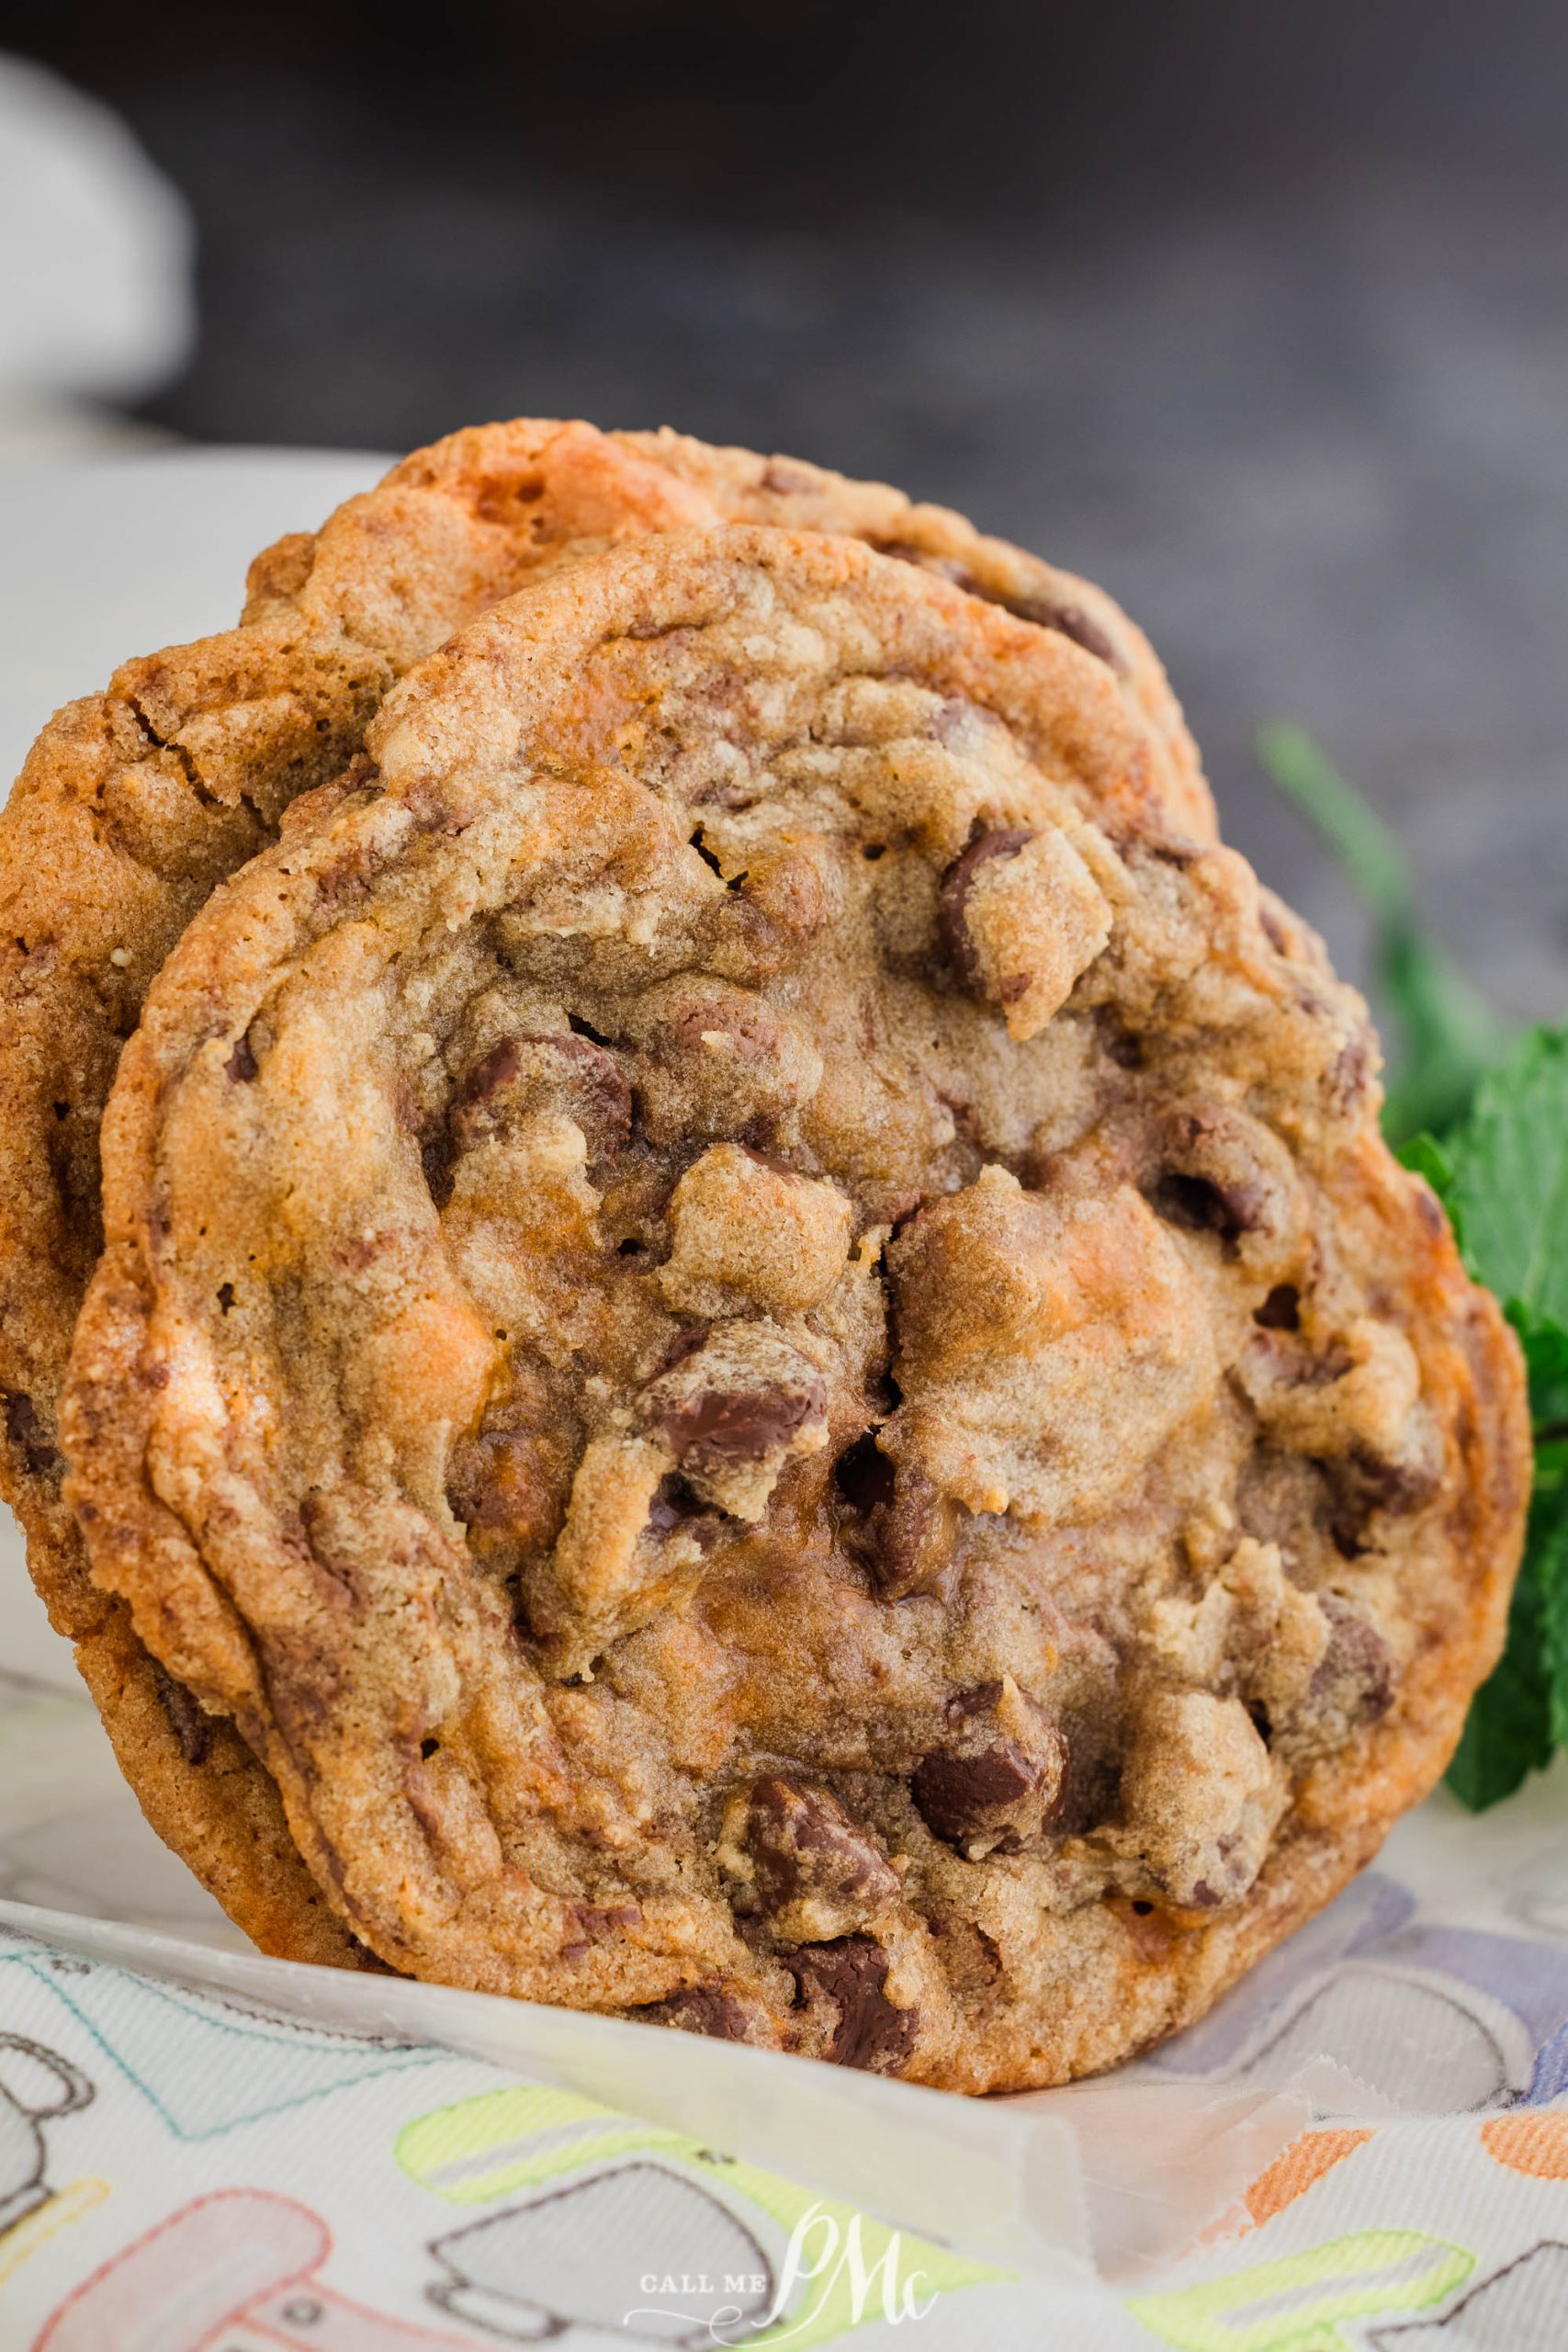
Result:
36,2085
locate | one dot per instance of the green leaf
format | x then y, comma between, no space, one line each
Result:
1443,1034
1545,1344
1510,1183
1508,1732
1521,1714
1550,1553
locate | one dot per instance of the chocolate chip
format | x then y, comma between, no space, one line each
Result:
1355,1676
1281,1310
1210,1181
597,1923
490,1075
1177,850
734,1410
1350,1074
786,481
1087,1796
530,1072
848,1977
1366,1481
943,567
1399,1484
737,1425
995,1777
509,1481
436,1158
1067,620
242,1064
815,1869
902,1526
188,1720
956,885
1041,612
700,2008
28,1434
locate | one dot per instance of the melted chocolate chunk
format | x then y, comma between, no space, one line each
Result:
734,1410
509,1482
700,2009
808,1855
1067,620
1043,611
943,566
996,1779
1384,1482
850,1975
1272,920
242,1065
1208,1182
188,1720
1352,1074
1091,1774
901,1525
737,1425
788,482
1366,1482
956,885
1355,1676
436,1158
28,1434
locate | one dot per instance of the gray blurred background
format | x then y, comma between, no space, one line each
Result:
1258,314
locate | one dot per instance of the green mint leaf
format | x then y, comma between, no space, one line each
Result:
1510,1183
1521,1714
1549,1550
1545,1344
1443,1035
1508,1732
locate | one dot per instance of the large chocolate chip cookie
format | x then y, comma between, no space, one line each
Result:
756,1330
135,803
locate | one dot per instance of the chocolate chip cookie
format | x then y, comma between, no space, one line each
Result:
755,1328
135,803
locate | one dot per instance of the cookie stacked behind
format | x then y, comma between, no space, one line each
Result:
135,804
754,1328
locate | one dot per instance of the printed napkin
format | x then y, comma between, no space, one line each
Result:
204,2151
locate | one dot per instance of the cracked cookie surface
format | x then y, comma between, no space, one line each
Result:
756,1330
134,804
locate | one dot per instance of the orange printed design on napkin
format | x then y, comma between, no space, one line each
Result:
1292,2173
1294,2170
1533,2142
